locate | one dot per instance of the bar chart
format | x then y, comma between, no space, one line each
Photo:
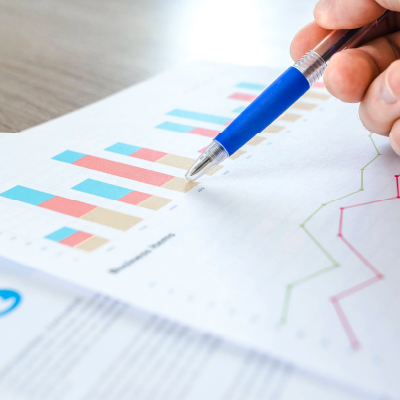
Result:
119,193
72,208
159,157
77,239
126,171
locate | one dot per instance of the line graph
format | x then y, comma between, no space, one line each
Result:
354,342
334,264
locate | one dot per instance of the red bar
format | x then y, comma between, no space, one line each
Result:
135,198
73,208
148,155
319,85
205,132
243,96
228,123
124,171
76,238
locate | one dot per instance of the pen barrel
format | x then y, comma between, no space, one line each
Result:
312,66
265,109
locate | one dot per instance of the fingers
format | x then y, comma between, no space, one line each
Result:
306,39
380,108
345,14
350,72
349,75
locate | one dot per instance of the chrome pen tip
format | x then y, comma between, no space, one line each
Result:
213,155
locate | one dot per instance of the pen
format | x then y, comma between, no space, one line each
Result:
278,97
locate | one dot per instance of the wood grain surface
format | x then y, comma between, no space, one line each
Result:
59,55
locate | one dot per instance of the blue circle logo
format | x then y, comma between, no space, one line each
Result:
9,300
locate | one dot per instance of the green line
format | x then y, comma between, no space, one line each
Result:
335,264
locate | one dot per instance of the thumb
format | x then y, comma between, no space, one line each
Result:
346,14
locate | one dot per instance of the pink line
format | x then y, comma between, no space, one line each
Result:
361,286
369,202
340,222
355,344
358,288
361,257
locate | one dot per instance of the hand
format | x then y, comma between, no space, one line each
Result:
369,74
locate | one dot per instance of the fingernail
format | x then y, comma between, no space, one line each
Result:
386,93
322,6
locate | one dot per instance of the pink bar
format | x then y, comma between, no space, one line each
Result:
229,122
243,96
205,132
319,85
148,155
124,171
201,150
76,238
73,208
135,198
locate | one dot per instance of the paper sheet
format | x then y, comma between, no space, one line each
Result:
281,250
64,343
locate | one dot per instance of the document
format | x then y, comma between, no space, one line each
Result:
289,248
65,343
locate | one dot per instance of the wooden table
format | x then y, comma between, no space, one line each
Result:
59,55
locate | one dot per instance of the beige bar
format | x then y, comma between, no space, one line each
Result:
236,155
273,129
179,185
315,95
256,140
176,161
154,203
92,243
302,105
289,117
113,219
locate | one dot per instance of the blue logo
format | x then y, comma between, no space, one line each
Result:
9,300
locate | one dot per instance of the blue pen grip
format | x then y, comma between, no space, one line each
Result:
264,110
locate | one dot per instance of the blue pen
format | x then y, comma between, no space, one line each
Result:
278,97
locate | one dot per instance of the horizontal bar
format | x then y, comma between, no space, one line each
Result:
214,119
61,234
76,238
243,96
27,195
101,189
117,169
119,193
112,219
179,128
170,126
89,212
319,85
247,85
123,148
92,243
171,160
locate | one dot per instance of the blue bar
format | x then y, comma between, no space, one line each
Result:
27,195
214,119
123,148
69,156
61,234
170,126
239,109
247,85
102,189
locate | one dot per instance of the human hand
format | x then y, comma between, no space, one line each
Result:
369,74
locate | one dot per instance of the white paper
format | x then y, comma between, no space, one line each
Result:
64,343
221,256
